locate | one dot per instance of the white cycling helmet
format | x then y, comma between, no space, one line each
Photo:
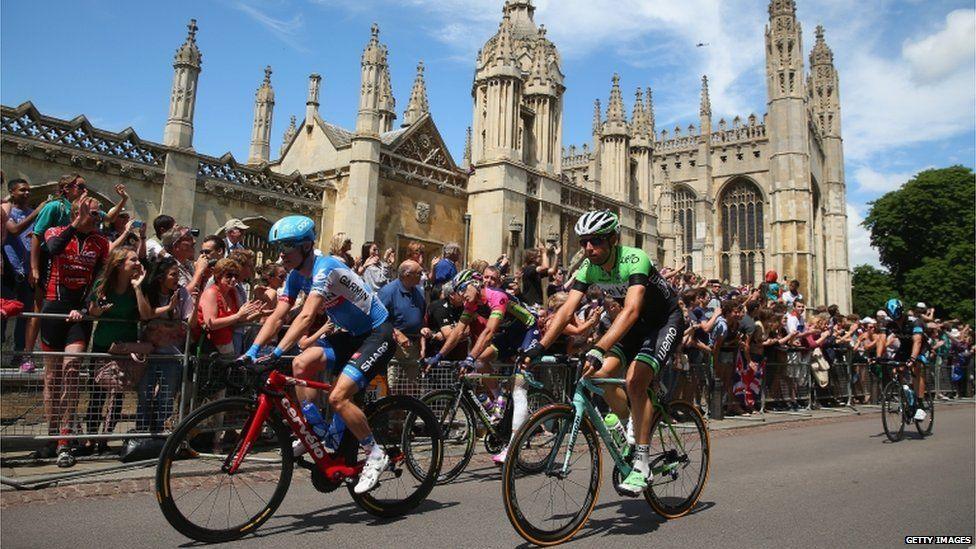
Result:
598,222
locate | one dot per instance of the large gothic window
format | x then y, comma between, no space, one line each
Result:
684,216
741,210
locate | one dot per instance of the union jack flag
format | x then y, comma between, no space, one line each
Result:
748,382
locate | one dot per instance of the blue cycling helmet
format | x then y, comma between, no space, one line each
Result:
292,229
894,308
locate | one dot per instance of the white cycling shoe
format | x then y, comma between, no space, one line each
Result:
370,476
920,415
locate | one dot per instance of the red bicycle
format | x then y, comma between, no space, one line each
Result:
226,468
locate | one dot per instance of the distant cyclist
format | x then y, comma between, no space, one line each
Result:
361,349
509,328
912,340
644,335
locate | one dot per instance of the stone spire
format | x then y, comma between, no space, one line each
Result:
418,105
639,121
373,68
183,98
784,62
466,162
387,105
705,107
821,53
521,13
260,151
312,102
597,117
616,117
504,55
650,113
290,132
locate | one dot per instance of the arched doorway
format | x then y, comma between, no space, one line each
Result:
741,218
684,216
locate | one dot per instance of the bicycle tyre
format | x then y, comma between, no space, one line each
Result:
410,409
925,427
892,406
562,415
440,402
185,441
538,399
687,412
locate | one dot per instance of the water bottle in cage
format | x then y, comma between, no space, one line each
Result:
314,418
909,394
485,402
499,410
617,432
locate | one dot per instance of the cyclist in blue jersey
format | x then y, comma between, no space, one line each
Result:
911,336
362,348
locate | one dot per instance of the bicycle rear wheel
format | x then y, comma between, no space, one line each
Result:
457,431
548,505
409,433
893,408
198,498
680,458
925,427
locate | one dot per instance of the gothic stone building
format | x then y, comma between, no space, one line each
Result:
730,199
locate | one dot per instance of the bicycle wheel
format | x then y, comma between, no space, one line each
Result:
538,399
928,404
548,505
680,459
893,411
409,433
457,431
198,498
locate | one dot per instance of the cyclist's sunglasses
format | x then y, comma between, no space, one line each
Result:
594,240
288,247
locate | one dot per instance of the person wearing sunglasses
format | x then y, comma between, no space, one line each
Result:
356,353
645,335
221,308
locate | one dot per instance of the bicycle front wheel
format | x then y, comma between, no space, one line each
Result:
198,497
893,410
457,431
680,459
549,504
410,435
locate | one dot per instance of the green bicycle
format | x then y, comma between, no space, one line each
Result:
548,504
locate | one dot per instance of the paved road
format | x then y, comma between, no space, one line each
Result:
817,485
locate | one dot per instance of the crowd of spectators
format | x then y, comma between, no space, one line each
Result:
165,289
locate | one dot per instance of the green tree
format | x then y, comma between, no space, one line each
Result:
924,236
872,287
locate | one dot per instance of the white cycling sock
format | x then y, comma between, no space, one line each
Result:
642,459
520,403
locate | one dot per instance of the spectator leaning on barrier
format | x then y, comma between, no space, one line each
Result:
221,309
77,253
404,300
374,269
233,233
117,299
161,224
19,228
270,279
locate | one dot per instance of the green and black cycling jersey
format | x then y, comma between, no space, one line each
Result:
631,267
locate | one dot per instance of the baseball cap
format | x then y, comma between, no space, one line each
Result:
920,305
868,320
881,313
173,235
234,224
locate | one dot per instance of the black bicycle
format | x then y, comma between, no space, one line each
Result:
899,403
461,416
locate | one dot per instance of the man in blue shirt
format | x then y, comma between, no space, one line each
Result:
446,268
404,300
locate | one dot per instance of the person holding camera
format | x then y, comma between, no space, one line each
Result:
536,268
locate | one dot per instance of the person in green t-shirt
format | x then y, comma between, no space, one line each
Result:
644,336
116,301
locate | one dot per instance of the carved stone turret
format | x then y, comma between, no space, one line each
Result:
289,134
418,105
260,150
312,102
183,98
614,148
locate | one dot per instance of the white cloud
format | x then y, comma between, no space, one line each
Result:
859,240
948,50
285,30
872,181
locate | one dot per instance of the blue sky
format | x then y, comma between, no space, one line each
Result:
908,67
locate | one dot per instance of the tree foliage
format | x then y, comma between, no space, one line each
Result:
924,236
871,288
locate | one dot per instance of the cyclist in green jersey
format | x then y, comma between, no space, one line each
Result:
645,335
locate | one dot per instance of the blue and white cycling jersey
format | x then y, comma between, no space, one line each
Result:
348,301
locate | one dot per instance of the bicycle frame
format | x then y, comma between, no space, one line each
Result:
584,407
273,394
467,394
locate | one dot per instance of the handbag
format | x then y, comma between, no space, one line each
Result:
820,368
125,372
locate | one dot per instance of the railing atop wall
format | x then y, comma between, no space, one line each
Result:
26,122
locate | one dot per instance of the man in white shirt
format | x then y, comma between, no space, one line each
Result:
233,233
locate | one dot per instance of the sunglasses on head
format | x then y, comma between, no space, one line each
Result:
232,275
75,185
594,240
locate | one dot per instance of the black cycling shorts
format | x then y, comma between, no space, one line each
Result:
57,333
362,357
653,345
